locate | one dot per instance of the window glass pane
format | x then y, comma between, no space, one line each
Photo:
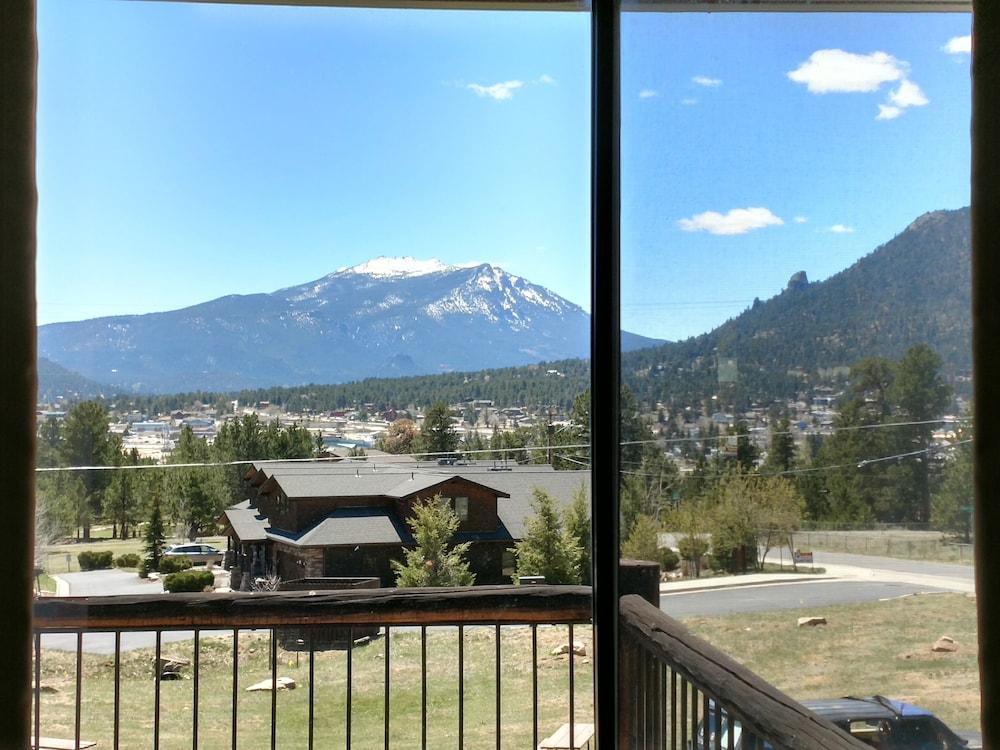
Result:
301,271
795,229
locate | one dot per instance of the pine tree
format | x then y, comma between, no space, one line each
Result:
431,562
154,539
546,549
577,519
436,436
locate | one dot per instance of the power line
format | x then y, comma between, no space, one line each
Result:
860,464
388,458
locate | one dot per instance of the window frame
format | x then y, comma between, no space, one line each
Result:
18,203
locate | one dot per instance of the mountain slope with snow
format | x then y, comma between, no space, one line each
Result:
388,316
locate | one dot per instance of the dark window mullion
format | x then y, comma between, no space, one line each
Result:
605,358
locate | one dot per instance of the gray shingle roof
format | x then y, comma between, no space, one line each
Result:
346,526
519,483
249,526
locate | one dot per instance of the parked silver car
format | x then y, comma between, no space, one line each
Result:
196,553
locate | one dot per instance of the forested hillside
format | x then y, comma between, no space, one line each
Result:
915,289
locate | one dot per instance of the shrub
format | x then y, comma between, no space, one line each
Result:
668,559
173,564
143,569
95,560
188,580
128,560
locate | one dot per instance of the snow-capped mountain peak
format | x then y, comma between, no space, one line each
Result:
386,316
385,267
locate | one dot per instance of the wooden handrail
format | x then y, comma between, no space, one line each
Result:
484,605
762,709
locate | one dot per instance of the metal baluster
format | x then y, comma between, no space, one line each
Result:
718,724
663,705
38,686
118,688
274,689
572,703
236,678
641,703
534,685
673,710
461,688
79,684
156,699
350,683
654,669
497,627
386,709
694,716
423,687
707,728
312,689
194,688
684,733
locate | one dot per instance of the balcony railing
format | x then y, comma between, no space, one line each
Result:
474,667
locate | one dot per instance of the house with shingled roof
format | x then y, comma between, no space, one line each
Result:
349,519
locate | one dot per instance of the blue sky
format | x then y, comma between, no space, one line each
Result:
191,151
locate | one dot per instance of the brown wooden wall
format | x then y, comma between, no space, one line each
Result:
482,504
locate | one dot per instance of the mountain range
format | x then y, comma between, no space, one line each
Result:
385,317
916,288
397,317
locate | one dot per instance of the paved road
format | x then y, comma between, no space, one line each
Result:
919,567
781,596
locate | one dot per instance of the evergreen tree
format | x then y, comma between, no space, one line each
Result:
122,501
154,538
546,549
919,394
436,435
746,451
197,494
86,442
781,456
951,505
643,543
432,562
577,520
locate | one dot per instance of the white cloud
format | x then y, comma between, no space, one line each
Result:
499,91
547,79
801,219
959,45
648,94
836,71
689,102
907,94
841,229
736,221
707,82
888,112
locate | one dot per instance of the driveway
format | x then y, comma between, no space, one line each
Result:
109,583
113,583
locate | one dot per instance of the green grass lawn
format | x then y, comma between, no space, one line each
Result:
881,647
46,584
215,700
61,558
